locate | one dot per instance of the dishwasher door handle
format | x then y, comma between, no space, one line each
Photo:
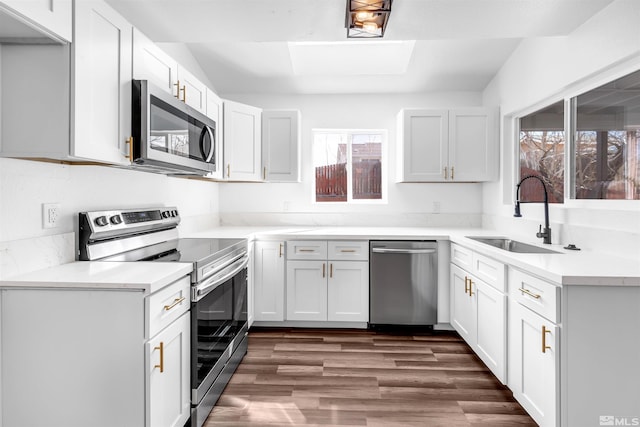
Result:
402,251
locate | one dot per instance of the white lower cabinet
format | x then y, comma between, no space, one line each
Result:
328,281
478,313
533,363
268,282
95,357
306,290
168,373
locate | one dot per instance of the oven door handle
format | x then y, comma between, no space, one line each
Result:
202,289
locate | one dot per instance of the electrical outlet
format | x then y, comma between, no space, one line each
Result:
50,215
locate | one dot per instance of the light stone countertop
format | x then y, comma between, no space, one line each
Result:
137,276
584,267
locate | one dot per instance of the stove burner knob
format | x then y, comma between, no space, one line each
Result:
101,221
116,219
166,214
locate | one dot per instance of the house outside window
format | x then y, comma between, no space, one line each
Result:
348,165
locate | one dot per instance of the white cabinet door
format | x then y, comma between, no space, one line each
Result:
280,145
192,91
491,328
348,291
533,364
423,140
242,142
214,111
168,370
306,290
269,281
53,17
463,305
153,64
472,145
101,119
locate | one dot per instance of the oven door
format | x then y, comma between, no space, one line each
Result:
168,133
218,324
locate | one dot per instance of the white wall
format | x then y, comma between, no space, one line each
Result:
407,203
545,70
25,185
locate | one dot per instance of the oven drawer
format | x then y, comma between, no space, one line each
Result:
166,305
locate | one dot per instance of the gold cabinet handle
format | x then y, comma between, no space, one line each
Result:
176,302
470,284
452,172
161,348
545,331
331,270
323,270
306,250
177,85
264,173
347,250
528,292
445,172
466,284
184,93
130,142
280,251
228,170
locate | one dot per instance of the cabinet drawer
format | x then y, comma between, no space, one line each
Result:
307,249
166,305
349,250
462,257
540,296
489,270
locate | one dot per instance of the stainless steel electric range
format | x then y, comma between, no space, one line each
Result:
218,294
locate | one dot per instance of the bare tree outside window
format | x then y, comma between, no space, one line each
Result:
542,145
607,150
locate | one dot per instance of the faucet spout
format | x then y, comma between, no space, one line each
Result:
543,234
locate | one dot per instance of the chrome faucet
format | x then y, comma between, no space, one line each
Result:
546,234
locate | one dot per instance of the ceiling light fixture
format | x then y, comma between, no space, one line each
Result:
367,18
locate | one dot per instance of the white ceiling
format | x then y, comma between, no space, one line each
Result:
299,46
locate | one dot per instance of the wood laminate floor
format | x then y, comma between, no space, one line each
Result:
308,377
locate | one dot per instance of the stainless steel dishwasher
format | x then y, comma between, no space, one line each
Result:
403,283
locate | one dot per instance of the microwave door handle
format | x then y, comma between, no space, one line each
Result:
208,156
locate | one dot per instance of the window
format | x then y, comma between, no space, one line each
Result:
607,151
348,165
542,145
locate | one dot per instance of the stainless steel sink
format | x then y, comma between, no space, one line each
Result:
512,245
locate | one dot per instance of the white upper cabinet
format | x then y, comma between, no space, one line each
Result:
215,112
242,142
101,93
153,64
473,142
51,18
447,145
192,91
280,145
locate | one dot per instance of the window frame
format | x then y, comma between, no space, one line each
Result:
569,96
384,159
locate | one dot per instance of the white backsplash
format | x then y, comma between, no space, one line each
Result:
361,219
26,255
617,241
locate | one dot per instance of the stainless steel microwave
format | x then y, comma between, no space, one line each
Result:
168,135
